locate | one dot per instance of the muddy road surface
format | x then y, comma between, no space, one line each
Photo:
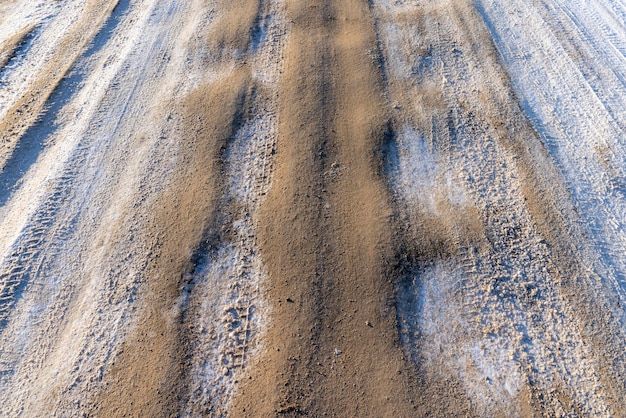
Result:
346,208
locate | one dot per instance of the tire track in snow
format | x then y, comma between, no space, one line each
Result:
484,302
222,95
504,310
23,262
32,240
70,321
40,71
14,46
575,104
568,96
222,300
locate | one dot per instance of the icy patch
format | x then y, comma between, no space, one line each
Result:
448,340
419,174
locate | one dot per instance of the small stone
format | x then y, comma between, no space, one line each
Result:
337,351
369,324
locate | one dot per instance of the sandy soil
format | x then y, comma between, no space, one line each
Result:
378,208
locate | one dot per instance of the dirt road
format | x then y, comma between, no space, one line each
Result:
378,208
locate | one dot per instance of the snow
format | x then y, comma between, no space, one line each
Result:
488,308
567,65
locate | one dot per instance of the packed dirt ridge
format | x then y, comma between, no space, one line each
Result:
276,208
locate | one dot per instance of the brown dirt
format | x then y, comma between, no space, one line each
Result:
232,32
327,239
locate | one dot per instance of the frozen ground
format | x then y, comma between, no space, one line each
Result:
139,142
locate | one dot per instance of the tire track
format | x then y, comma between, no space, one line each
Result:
15,46
23,109
485,312
323,233
213,103
562,106
224,310
195,219
68,326
22,262
40,228
31,250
